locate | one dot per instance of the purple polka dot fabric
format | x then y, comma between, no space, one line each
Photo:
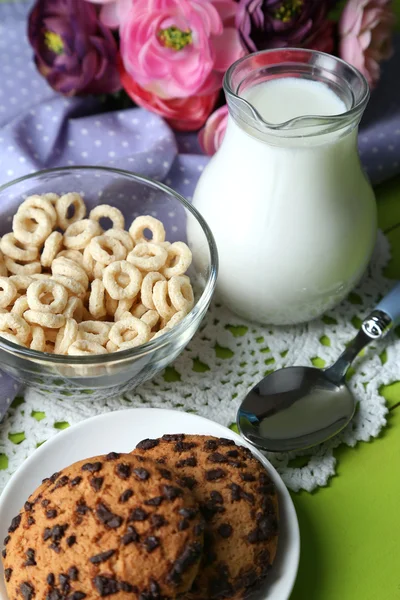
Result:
40,129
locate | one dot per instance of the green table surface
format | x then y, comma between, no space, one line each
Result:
350,530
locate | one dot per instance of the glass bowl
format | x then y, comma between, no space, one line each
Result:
111,374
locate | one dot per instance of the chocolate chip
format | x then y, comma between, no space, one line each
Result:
27,590
51,579
232,453
55,547
217,457
73,574
76,481
157,520
54,477
124,586
186,462
226,442
187,482
107,517
30,558
31,521
54,595
266,528
4,553
225,530
236,492
184,446
151,543
141,474
102,557
15,523
171,492
247,476
215,474
105,585
6,540
199,528
267,489
77,596
123,471
124,497
165,473
211,445
92,467
187,559
62,482
209,509
156,501
81,508
45,503
138,514
28,506
7,574
130,536
249,579
96,483
51,514
161,461
113,456
147,444
56,533
216,497
220,586
188,513
173,437
71,540
64,583
183,524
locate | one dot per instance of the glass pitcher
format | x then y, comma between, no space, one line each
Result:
292,212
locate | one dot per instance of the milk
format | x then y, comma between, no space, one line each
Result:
294,218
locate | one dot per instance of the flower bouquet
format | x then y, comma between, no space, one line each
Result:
169,56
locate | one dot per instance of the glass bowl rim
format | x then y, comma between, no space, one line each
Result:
166,338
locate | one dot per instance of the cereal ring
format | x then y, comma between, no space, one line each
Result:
177,318
138,327
8,293
20,306
21,282
63,205
94,331
10,337
69,268
97,305
15,325
111,304
84,348
123,307
178,261
138,310
17,269
181,293
74,287
31,226
79,234
11,247
44,319
38,339
66,336
136,230
52,246
111,347
162,301
51,197
105,211
36,300
98,270
122,236
106,249
41,276
146,291
116,290
74,255
74,309
151,317
148,256
41,203
3,268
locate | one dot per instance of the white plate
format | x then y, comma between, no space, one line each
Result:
119,432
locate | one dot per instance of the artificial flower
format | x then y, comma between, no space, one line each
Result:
75,52
183,114
265,24
109,13
212,134
179,48
365,29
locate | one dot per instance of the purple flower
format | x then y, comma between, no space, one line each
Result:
74,51
281,23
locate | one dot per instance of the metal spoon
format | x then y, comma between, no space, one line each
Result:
299,407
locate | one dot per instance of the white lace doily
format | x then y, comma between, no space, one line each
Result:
225,359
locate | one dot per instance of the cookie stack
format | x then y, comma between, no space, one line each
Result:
182,516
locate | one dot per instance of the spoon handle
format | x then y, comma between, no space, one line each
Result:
391,305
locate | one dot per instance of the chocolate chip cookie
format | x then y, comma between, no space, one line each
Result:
238,501
110,526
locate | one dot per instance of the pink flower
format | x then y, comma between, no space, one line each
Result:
184,114
178,48
212,134
365,29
